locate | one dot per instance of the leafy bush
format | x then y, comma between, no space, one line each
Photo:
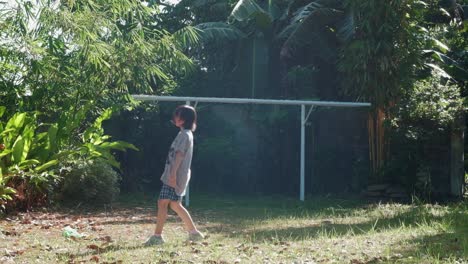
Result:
90,181
430,107
420,136
27,159
30,152
5,192
95,144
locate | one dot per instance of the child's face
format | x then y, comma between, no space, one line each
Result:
178,122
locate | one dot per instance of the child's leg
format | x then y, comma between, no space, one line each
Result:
162,215
183,214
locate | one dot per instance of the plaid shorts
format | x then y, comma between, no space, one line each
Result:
167,192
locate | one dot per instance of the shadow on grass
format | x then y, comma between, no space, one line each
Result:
323,217
446,239
238,223
110,248
450,243
306,232
451,247
261,208
222,210
242,217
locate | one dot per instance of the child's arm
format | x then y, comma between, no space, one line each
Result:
179,156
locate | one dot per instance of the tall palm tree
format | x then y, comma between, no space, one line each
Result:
315,25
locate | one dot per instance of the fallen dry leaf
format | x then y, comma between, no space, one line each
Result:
96,228
115,262
93,247
48,247
14,253
25,222
46,226
10,233
106,239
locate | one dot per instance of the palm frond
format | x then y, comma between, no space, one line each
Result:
451,66
298,17
305,11
308,30
347,27
249,10
187,37
245,9
218,31
438,70
200,3
287,31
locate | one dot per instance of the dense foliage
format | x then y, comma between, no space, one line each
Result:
68,66
92,182
406,57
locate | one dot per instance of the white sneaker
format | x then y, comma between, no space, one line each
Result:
196,236
154,240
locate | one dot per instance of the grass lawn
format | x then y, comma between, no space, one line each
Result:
244,230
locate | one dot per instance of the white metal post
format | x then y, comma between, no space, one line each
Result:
187,192
301,196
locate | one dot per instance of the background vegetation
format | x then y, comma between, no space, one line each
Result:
406,57
67,67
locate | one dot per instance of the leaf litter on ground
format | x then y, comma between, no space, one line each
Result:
242,238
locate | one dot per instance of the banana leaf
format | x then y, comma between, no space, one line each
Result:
219,31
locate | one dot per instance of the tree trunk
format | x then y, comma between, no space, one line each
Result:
376,141
457,171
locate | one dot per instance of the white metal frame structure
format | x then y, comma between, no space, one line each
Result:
304,117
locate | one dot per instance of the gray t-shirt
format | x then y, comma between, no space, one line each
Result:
183,143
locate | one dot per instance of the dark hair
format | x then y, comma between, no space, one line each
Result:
188,114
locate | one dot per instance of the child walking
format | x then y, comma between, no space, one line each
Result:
176,176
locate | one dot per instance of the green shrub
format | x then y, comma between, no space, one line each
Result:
28,156
91,182
431,106
420,136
